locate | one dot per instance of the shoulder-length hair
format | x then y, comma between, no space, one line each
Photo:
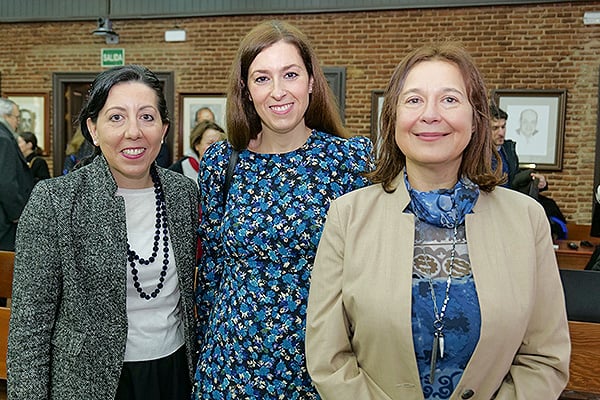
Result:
243,122
476,161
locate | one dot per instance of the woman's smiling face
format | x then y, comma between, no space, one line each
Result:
129,131
434,121
279,86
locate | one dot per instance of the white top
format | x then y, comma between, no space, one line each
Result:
188,170
155,327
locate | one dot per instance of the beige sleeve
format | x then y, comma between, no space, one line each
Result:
540,368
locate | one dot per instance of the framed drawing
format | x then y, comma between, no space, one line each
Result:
536,122
191,105
336,78
34,116
376,105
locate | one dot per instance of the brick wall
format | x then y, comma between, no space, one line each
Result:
544,46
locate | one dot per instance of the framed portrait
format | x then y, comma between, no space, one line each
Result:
192,105
536,122
376,106
34,116
336,78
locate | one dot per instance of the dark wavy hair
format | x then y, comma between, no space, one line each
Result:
497,113
476,162
243,122
98,94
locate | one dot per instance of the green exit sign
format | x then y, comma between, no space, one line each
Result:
112,57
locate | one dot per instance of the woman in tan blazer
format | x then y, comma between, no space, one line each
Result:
434,283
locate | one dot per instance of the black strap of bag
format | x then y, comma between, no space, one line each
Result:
233,159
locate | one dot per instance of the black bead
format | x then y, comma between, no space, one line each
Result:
161,222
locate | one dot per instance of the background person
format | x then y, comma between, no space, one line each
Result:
102,304
77,149
33,155
16,180
434,283
259,245
203,135
524,180
516,178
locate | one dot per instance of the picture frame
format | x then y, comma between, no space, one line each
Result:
189,104
336,78
376,106
536,123
35,116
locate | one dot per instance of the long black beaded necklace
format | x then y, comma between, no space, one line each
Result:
161,222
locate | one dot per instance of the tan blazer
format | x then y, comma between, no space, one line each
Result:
359,341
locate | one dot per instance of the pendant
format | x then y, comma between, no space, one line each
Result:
441,340
434,351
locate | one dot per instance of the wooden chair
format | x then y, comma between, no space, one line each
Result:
7,259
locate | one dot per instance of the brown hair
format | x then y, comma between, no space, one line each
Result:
243,122
476,162
200,129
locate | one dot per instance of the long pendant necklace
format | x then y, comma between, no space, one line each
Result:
438,323
161,222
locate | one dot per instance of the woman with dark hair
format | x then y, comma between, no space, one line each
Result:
259,236
434,283
102,304
33,154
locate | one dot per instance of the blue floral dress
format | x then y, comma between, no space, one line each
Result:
258,255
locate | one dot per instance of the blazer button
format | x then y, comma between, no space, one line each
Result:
467,394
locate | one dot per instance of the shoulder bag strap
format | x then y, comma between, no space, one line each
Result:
30,163
233,159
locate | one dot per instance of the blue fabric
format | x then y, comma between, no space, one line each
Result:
444,207
258,256
462,320
563,227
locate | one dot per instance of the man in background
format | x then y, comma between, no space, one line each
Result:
16,180
507,148
526,181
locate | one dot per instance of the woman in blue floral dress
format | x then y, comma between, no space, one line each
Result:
260,239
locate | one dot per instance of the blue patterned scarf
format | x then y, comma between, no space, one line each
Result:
445,208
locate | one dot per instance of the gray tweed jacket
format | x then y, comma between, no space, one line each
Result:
68,325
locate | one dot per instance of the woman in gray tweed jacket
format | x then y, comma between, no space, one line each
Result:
102,304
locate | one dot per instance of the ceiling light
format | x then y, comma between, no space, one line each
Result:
105,29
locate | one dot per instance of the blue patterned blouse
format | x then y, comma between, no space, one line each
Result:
462,321
258,255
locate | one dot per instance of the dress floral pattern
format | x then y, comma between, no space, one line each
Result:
259,250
